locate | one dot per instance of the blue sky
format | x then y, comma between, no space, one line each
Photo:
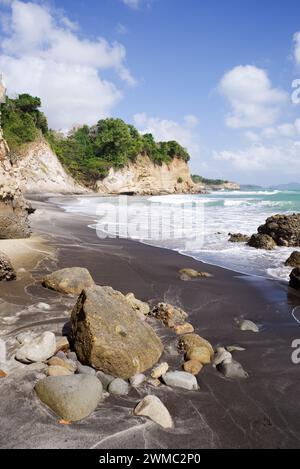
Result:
215,75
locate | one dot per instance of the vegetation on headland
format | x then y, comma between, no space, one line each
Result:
86,152
210,182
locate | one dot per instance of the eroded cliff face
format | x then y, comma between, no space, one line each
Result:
143,177
38,170
14,210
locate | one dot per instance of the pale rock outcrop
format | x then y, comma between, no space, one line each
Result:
143,177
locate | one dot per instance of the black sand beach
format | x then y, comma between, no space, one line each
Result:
261,411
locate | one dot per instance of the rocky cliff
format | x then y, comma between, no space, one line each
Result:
143,177
38,170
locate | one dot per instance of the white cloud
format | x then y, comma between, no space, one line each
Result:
297,47
284,157
134,4
45,55
253,100
164,130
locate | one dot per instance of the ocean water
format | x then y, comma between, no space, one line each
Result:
197,225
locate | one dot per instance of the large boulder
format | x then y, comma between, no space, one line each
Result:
70,280
262,241
7,271
293,260
70,397
283,229
295,278
108,335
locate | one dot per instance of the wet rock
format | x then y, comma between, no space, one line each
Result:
153,408
138,305
293,260
262,241
85,370
190,274
56,370
201,354
43,306
65,363
170,315
222,356
295,278
118,387
246,325
185,328
71,280
159,370
181,379
233,370
109,337
137,380
192,366
70,397
190,341
238,238
235,348
105,379
36,348
7,271
283,229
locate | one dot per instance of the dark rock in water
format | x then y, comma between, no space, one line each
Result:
7,271
71,280
238,238
295,278
262,241
108,335
293,260
284,229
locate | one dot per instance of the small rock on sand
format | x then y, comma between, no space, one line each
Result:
159,370
119,387
181,379
233,370
153,408
137,380
190,274
70,397
70,280
36,348
246,325
192,366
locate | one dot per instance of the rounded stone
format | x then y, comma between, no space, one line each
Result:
118,387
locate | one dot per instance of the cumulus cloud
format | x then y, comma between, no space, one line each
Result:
253,100
163,130
44,54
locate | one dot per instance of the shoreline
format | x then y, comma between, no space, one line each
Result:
259,412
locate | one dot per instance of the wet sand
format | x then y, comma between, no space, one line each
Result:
262,411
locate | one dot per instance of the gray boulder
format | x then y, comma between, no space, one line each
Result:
105,379
233,370
262,241
181,379
70,397
119,387
71,280
108,335
85,370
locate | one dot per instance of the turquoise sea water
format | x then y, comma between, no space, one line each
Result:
221,212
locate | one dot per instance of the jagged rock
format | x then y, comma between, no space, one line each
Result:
137,380
201,354
238,238
295,278
246,325
232,370
190,341
7,271
192,366
181,379
190,274
105,379
170,315
138,305
159,370
283,229
36,348
118,387
65,363
71,397
70,280
109,337
57,370
153,408
262,241
293,260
